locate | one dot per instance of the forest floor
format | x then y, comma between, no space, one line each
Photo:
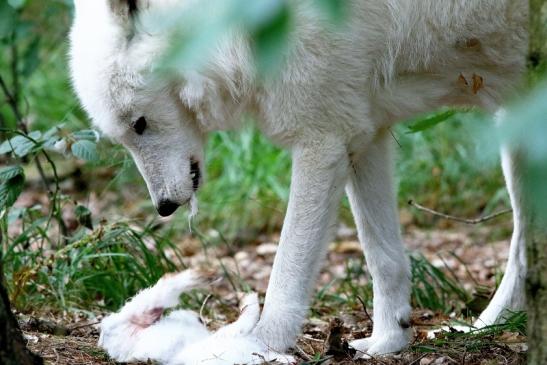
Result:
466,258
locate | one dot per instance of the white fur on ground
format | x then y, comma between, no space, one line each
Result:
140,332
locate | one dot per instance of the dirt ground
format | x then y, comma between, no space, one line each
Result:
327,330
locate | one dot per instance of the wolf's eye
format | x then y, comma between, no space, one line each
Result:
139,125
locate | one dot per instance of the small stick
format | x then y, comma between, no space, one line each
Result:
201,317
83,325
302,353
310,338
418,359
56,355
365,308
459,219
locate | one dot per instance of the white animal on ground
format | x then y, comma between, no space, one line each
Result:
338,93
140,331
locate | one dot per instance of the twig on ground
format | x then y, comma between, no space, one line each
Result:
202,308
80,326
365,309
57,356
464,355
34,324
417,361
459,219
310,338
302,353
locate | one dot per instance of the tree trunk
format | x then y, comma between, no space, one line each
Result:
13,349
537,298
536,284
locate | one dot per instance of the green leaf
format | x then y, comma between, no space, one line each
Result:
51,141
22,145
85,150
13,180
19,145
16,4
8,19
10,172
52,132
431,121
86,134
51,137
35,135
9,192
5,147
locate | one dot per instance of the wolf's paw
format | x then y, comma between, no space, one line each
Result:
361,346
379,346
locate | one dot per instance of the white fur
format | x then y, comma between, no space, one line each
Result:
338,92
233,344
373,202
180,338
137,331
511,292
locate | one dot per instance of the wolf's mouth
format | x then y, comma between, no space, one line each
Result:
195,173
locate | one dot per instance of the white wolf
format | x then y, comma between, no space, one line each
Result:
339,91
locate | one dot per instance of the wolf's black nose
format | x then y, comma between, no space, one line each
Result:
195,173
166,208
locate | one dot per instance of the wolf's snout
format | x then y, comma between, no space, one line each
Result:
167,207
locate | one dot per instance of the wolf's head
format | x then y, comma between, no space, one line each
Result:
112,70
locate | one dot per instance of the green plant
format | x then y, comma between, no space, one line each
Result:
474,340
353,290
433,289
96,269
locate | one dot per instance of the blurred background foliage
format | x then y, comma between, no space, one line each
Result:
450,168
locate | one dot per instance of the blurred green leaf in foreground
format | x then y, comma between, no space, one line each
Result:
526,129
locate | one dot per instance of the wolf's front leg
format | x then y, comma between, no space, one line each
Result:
373,202
319,173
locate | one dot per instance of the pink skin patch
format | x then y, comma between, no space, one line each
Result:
146,319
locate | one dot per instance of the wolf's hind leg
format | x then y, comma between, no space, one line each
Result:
511,292
373,202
